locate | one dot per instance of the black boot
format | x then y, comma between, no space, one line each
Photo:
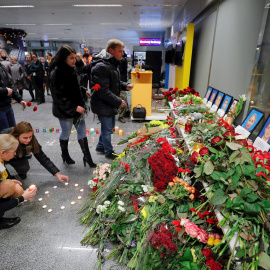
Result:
6,223
86,153
65,155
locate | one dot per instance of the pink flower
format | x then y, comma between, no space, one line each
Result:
191,229
202,236
183,221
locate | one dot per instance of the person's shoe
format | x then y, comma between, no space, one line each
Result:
87,158
38,103
6,223
28,156
22,175
32,100
100,149
65,154
111,156
122,120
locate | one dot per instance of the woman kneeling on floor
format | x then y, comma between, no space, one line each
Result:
28,143
11,192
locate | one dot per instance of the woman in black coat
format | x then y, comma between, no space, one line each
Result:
68,102
37,76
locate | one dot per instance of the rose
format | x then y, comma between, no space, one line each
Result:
28,104
202,236
191,229
228,134
170,98
243,142
207,253
216,140
35,108
176,223
204,151
194,157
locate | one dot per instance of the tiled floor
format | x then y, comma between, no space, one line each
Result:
51,240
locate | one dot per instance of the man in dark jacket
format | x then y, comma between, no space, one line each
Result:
26,67
7,91
106,101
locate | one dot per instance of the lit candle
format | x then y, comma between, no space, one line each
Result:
57,130
44,129
92,130
120,132
32,187
72,131
97,131
116,130
37,130
87,131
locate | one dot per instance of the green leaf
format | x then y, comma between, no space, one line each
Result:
187,264
252,197
208,167
229,203
245,156
217,175
197,171
245,191
251,209
184,208
234,146
264,261
213,150
240,253
229,173
266,203
218,200
237,201
234,156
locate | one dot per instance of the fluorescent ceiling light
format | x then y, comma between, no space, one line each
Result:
97,5
157,5
20,24
115,23
57,24
94,38
31,33
18,6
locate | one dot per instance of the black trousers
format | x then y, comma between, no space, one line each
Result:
20,165
38,85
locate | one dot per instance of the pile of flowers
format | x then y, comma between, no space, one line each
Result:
101,173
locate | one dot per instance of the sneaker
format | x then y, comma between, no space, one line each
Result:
111,156
122,120
100,149
6,223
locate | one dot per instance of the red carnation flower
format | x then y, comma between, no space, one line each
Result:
170,98
207,253
94,189
204,151
215,140
194,157
35,108
228,134
28,104
138,75
96,87
243,142
176,223
95,180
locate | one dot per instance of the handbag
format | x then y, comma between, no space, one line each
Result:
139,112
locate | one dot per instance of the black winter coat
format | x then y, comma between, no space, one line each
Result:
5,81
105,72
66,92
40,156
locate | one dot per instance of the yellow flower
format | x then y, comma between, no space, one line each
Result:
216,242
144,213
193,254
210,241
121,155
179,152
153,198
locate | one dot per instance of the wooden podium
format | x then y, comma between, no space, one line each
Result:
142,91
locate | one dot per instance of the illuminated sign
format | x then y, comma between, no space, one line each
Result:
150,42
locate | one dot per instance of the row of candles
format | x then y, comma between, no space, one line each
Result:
88,131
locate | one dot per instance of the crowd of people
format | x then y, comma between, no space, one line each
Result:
69,77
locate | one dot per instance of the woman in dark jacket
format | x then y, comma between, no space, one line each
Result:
68,102
37,76
28,143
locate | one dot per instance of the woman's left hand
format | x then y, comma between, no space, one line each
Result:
61,177
17,182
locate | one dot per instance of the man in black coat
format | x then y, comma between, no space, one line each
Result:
7,91
106,101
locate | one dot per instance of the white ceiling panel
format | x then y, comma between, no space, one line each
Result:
60,19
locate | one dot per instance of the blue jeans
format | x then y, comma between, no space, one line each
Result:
66,125
107,125
7,118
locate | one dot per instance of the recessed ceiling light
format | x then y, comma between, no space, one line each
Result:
98,5
20,24
57,24
31,33
18,6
